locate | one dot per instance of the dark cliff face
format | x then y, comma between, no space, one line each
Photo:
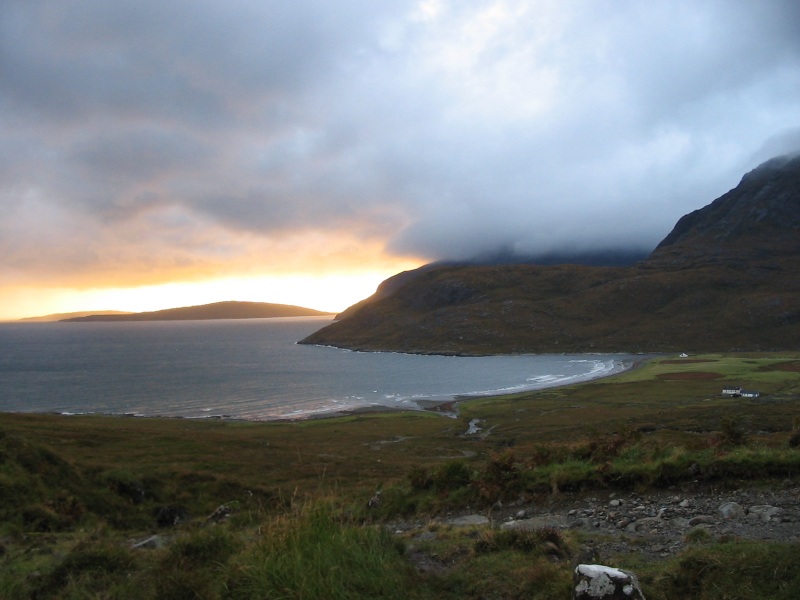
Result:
758,219
726,278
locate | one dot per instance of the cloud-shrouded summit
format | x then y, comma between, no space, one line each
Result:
146,142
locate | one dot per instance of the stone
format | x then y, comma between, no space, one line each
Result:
468,520
685,503
581,522
606,583
679,523
222,512
540,522
615,503
731,510
375,501
763,513
521,514
646,524
151,543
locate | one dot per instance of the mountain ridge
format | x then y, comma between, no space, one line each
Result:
724,279
230,309
758,218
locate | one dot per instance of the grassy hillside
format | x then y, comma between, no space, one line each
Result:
727,278
569,308
244,509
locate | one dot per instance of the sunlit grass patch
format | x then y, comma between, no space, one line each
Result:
314,555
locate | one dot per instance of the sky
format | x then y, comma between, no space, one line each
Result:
157,154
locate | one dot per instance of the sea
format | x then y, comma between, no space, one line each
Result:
251,369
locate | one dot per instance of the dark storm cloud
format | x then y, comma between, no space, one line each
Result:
449,129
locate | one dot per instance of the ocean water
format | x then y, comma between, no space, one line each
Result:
245,369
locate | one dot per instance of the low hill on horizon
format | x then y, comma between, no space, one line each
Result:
727,278
217,310
72,315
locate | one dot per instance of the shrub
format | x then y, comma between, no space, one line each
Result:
452,475
499,477
546,540
91,565
794,439
731,434
42,519
126,485
195,564
420,479
209,545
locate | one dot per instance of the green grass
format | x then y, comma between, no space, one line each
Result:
728,571
313,555
76,491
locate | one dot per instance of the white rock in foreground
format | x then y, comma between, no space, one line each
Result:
605,583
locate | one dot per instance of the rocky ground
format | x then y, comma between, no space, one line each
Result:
657,524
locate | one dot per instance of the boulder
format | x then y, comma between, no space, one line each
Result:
763,513
605,583
731,510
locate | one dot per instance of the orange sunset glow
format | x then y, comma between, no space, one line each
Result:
156,155
297,272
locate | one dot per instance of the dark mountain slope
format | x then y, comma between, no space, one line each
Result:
217,310
758,219
726,278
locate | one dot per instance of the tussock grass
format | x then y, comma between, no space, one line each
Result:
312,554
728,571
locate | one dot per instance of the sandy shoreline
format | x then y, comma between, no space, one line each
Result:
449,408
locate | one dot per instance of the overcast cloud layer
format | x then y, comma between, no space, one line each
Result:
157,138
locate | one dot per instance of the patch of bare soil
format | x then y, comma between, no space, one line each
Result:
793,366
690,375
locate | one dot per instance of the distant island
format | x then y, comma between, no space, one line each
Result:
72,315
205,312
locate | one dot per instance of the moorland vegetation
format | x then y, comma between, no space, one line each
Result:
114,507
